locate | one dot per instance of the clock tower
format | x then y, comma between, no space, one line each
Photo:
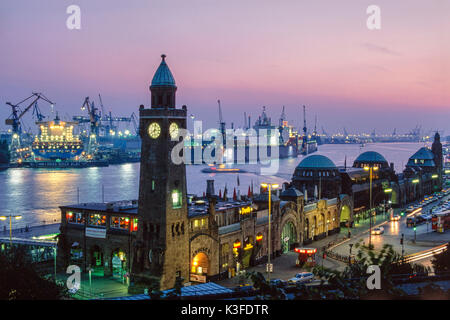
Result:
162,244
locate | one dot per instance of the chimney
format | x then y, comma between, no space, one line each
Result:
210,188
212,210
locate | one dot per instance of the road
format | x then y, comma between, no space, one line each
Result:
414,241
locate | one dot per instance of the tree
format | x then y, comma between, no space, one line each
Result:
264,289
20,281
441,262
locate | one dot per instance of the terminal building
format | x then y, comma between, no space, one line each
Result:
167,234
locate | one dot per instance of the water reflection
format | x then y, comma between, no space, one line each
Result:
394,228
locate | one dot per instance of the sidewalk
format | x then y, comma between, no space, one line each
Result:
99,287
34,231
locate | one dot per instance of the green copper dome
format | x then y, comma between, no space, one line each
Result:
163,76
370,156
316,161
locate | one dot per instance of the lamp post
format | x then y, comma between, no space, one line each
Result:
386,191
3,218
269,187
370,168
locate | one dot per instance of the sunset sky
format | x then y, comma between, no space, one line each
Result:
247,53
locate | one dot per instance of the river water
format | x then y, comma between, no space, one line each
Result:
36,194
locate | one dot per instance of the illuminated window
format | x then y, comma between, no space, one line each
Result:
153,185
97,220
120,222
75,217
195,223
176,199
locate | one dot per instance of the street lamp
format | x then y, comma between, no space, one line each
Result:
3,218
370,169
387,191
269,187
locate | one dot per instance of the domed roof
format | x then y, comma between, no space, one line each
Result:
316,161
370,156
163,76
423,154
291,192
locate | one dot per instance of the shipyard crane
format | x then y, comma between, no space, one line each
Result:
282,118
14,119
101,104
94,117
221,122
245,120
37,112
315,126
345,132
135,121
304,122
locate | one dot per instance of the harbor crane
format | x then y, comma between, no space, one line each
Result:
16,114
304,122
37,112
221,122
110,128
94,117
135,121
282,118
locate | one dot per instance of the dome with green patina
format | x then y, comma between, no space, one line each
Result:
316,162
163,77
370,158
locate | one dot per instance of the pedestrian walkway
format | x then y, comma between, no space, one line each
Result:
96,287
32,232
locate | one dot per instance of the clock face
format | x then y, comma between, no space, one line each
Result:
154,130
173,130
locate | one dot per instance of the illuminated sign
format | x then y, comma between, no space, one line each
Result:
415,181
259,237
245,210
434,176
248,246
306,250
96,233
388,190
237,244
198,278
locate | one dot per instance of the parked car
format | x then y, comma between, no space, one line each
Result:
379,230
302,277
278,282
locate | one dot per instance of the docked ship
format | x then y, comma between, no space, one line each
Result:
286,142
56,141
307,142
